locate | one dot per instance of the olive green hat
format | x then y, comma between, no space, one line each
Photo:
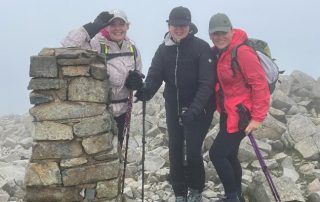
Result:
219,23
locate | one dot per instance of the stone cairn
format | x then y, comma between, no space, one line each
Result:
75,154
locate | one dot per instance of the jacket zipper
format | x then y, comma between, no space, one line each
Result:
176,81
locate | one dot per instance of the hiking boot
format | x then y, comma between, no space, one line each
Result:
228,200
181,199
194,196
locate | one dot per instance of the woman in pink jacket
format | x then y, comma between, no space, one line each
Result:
245,87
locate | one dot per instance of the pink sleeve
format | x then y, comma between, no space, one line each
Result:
256,78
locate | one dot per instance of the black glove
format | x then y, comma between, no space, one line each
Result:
134,80
101,21
187,117
103,18
143,94
244,117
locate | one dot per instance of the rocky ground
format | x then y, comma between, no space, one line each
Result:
289,142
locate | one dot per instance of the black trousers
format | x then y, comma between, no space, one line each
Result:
120,120
192,175
224,156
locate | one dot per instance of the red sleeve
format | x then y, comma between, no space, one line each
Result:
256,78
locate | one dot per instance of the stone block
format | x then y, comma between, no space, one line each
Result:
76,71
66,110
88,90
99,71
73,162
43,174
78,61
89,174
56,150
46,194
108,189
97,143
46,84
49,130
38,98
47,52
43,66
93,125
74,53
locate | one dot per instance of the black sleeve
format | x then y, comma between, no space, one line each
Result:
206,81
154,77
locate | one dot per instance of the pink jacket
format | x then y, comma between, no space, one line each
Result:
249,86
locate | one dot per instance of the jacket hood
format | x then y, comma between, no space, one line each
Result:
239,36
193,29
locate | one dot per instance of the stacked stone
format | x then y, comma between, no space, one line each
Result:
75,153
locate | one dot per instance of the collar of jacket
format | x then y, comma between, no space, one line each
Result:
169,42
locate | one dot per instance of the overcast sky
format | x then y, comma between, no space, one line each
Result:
291,27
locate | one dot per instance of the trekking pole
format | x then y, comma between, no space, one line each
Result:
264,168
126,131
143,144
184,149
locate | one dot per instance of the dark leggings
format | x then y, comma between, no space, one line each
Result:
193,175
120,120
224,156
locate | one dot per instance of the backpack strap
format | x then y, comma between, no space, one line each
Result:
115,55
133,52
234,61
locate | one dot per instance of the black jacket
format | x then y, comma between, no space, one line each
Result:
188,71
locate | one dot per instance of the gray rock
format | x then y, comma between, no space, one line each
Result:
282,101
98,71
302,80
56,150
45,84
107,189
314,186
66,110
43,66
49,130
72,71
316,90
84,89
97,143
4,196
46,173
77,61
93,125
67,163
308,148
314,197
300,127
289,170
38,98
153,162
98,172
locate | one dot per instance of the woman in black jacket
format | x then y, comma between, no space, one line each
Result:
184,63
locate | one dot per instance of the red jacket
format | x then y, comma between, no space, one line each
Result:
249,86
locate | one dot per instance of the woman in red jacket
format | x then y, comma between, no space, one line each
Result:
246,87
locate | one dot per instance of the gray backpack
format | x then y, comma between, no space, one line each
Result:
263,52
